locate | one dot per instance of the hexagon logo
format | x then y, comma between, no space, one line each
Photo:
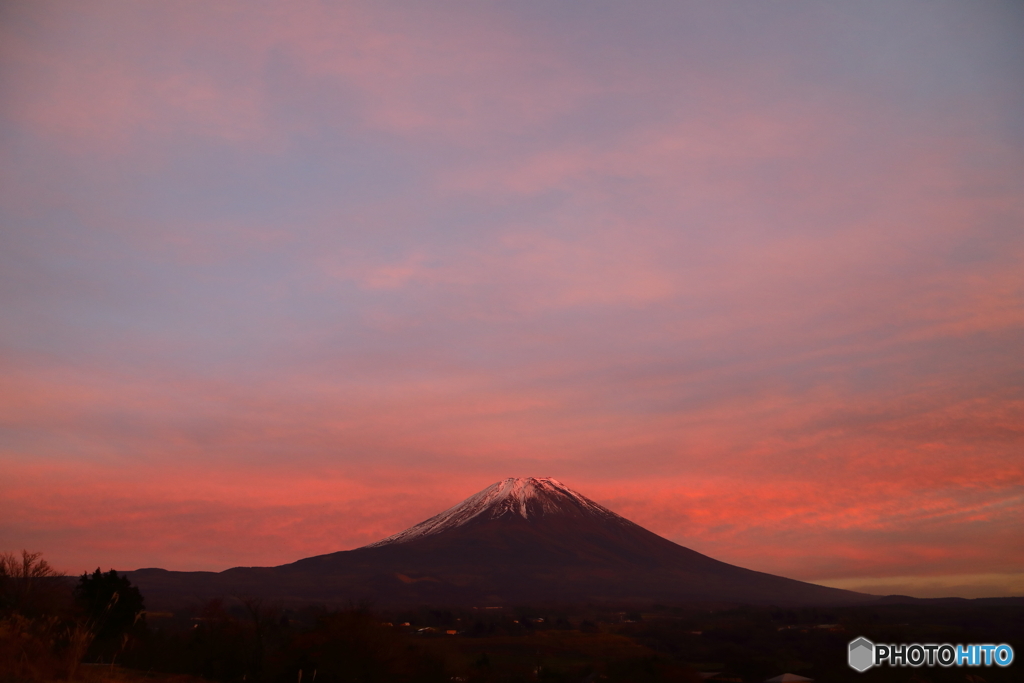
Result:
862,654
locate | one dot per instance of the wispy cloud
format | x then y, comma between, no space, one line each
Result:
306,276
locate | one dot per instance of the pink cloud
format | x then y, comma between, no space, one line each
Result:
119,77
283,281
739,480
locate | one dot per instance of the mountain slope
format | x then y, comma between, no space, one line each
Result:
519,540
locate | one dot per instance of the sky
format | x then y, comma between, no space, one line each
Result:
282,279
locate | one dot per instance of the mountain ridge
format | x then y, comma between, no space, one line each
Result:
519,540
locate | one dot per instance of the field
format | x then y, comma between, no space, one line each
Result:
235,640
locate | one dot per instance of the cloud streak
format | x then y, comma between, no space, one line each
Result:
278,282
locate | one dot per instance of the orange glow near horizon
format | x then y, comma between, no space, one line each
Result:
278,282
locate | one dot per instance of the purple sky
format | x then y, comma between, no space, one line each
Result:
283,279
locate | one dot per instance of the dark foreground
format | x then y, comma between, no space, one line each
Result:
252,641
96,629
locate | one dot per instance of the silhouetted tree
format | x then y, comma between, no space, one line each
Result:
112,605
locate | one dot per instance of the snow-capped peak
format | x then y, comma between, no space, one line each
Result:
526,497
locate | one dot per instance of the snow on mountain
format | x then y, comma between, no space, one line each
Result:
518,541
525,497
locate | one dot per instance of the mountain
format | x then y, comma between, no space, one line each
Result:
517,541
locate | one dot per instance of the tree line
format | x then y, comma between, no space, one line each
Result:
50,624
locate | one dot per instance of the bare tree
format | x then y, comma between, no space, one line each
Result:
24,581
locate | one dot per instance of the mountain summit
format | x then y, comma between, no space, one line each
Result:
527,498
518,541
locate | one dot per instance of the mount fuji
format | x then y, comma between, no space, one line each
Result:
517,541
